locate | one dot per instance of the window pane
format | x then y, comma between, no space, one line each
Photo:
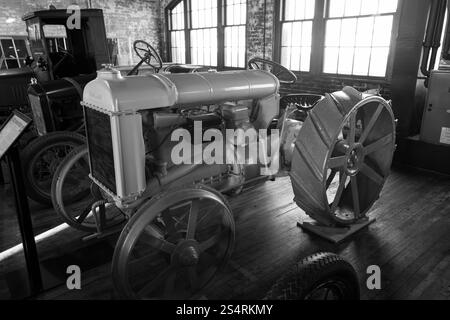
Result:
352,8
295,59
235,46
388,6
378,62
8,48
337,8
286,57
203,12
362,60
364,32
333,33
306,34
382,31
305,59
331,60
286,36
369,7
348,32
296,34
204,46
289,10
345,65
299,9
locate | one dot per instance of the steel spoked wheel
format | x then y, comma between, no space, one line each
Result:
343,158
41,159
74,194
174,245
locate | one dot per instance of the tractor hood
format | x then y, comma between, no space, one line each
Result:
113,93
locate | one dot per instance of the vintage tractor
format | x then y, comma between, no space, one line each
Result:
63,61
177,228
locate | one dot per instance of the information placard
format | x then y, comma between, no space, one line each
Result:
11,130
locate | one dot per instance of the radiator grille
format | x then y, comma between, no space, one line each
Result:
101,156
38,115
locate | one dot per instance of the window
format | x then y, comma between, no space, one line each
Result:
235,20
204,32
12,53
358,37
208,32
296,34
176,29
56,37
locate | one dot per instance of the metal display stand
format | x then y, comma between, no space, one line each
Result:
10,132
334,234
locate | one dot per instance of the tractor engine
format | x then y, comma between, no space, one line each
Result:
130,120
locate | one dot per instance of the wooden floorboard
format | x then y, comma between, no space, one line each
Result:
410,241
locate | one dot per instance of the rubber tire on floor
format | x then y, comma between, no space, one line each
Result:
30,153
310,273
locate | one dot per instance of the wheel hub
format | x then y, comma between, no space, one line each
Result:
186,254
355,160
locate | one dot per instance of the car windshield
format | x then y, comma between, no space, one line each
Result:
56,37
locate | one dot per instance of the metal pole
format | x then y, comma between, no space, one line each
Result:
25,223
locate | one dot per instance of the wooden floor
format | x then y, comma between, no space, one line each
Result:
410,241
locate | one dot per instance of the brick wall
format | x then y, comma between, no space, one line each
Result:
125,20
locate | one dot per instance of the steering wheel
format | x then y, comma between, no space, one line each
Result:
147,54
283,74
66,55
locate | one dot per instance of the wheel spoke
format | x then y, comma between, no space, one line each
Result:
156,281
192,222
205,245
377,145
352,135
193,277
156,242
331,178
84,214
372,174
339,192
337,162
355,196
371,124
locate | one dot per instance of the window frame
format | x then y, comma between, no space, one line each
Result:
20,62
318,42
221,20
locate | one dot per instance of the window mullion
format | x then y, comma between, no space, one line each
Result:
318,42
187,30
221,34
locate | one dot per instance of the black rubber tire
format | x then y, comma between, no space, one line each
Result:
312,272
34,150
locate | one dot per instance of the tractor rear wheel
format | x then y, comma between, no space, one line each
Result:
343,156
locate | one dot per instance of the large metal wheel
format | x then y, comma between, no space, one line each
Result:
343,157
42,157
74,194
174,245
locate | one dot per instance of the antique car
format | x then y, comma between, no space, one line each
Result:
177,227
